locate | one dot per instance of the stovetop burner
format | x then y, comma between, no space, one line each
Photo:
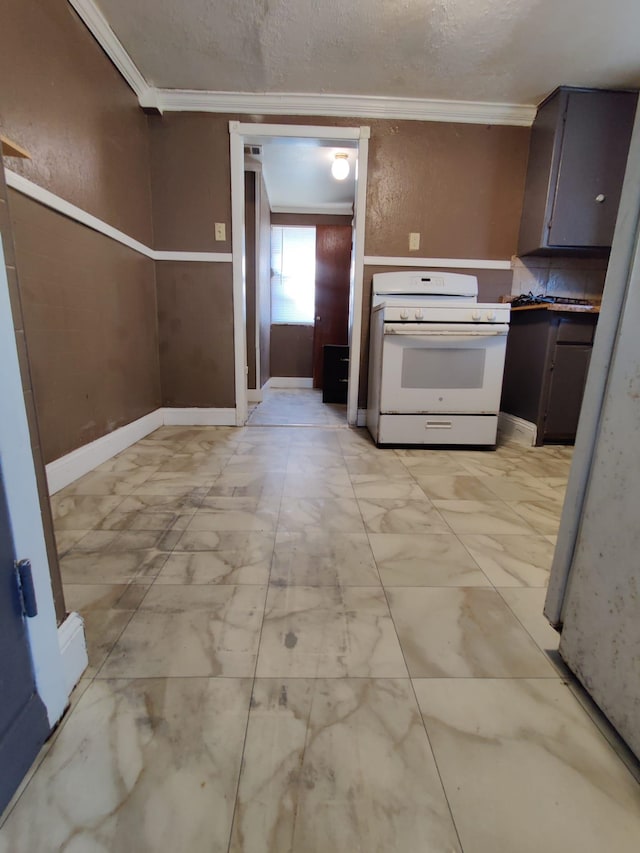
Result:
541,298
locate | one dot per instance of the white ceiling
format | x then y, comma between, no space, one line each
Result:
297,173
501,51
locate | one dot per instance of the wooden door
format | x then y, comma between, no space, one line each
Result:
333,264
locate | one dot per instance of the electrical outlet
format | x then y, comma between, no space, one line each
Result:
414,241
221,231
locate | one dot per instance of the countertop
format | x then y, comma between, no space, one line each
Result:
550,306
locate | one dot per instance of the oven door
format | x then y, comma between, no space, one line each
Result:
442,367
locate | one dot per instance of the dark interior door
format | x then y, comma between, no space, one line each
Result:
333,264
23,718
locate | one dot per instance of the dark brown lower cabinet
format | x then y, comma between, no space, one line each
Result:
566,389
547,361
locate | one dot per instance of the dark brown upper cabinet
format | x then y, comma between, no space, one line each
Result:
577,157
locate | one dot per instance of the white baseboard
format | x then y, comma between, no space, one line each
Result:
290,382
199,417
254,395
362,418
61,472
517,429
79,462
73,650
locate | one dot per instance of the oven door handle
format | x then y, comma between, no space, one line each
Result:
427,330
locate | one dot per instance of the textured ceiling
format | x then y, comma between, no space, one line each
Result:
505,51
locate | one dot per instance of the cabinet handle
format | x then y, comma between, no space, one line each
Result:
600,198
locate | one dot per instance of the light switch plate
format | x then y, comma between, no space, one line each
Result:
221,231
414,241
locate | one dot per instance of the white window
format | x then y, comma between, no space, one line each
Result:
293,274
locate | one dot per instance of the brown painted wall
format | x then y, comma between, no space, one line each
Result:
63,100
195,327
291,350
90,319
191,188
6,234
191,181
459,185
89,303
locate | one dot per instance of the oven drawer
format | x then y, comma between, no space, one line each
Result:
437,429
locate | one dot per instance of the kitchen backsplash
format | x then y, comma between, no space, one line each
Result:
579,278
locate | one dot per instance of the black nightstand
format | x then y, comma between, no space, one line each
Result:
335,374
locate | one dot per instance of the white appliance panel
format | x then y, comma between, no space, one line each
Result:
442,372
437,429
425,282
444,312
436,360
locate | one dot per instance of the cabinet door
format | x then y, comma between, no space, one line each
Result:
568,378
595,144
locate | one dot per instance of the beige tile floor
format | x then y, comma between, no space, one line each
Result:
301,643
296,406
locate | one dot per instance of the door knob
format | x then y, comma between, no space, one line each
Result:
600,198
318,319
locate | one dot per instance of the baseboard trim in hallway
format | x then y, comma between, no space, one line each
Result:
290,382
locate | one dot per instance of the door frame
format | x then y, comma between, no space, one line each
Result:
24,513
238,131
256,168
622,271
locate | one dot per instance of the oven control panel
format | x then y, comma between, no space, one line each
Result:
438,313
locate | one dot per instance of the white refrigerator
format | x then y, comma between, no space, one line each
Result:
594,590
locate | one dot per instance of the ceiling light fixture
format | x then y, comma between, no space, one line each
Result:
340,167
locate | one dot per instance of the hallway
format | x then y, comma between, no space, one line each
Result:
299,642
296,407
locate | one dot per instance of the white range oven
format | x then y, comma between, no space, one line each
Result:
436,360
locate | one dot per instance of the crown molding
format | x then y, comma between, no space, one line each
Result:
347,106
292,103
338,209
99,27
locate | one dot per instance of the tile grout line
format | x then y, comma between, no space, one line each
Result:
417,704
415,697
255,671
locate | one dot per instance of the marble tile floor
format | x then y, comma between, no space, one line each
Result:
299,643
291,406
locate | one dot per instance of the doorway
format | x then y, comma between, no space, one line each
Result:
308,323
354,143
